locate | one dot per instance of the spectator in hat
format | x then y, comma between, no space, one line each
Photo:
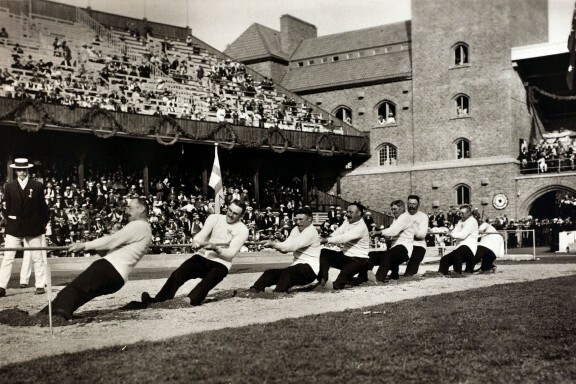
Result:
27,215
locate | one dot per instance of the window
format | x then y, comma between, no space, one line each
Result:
344,114
310,62
460,54
324,59
462,194
387,155
462,149
462,103
300,63
335,58
387,113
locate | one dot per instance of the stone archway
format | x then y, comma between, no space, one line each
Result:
544,193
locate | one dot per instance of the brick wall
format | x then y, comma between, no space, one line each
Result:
367,99
293,31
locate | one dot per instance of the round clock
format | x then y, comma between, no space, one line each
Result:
500,201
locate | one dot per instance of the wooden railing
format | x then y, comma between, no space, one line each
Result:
42,116
322,201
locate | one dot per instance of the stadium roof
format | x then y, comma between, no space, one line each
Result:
366,69
354,40
256,42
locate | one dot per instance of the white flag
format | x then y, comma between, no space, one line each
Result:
216,181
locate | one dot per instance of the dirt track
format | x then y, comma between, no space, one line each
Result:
104,325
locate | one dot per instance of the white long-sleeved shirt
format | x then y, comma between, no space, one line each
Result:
126,246
305,246
491,239
402,231
420,228
217,231
466,233
354,239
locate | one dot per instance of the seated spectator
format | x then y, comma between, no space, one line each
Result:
17,52
3,33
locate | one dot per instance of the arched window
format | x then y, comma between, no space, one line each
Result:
461,54
462,103
462,194
387,155
387,113
344,114
462,149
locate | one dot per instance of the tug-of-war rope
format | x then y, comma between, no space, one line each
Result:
167,131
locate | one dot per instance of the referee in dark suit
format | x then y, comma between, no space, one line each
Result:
26,217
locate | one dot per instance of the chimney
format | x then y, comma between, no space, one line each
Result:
293,31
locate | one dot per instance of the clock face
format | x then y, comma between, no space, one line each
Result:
500,201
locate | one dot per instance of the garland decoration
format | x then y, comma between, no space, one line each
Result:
37,107
169,124
166,129
268,140
97,127
325,136
364,147
228,130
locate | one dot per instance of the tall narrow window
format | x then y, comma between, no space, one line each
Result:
387,113
462,104
462,194
462,149
344,114
387,154
460,54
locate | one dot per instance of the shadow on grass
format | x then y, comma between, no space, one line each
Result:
513,333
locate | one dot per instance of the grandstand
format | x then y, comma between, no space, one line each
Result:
92,92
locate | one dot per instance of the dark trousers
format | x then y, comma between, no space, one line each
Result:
388,260
286,278
99,279
195,267
348,266
460,255
415,260
485,256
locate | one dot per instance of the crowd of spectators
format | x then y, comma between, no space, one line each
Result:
550,155
193,84
178,208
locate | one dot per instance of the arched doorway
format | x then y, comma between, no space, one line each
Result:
543,203
546,206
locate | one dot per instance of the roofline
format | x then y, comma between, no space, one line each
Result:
352,83
538,50
294,59
360,30
261,58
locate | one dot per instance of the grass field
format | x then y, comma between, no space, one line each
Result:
513,333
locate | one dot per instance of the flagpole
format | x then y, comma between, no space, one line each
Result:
216,181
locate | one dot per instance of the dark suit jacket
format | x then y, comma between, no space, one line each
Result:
26,210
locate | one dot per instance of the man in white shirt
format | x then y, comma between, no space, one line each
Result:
490,246
420,232
353,238
212,266
108,274
304,241
401,232
466,235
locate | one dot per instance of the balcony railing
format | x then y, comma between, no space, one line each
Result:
32,116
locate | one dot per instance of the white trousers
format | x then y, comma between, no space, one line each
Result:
36,256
